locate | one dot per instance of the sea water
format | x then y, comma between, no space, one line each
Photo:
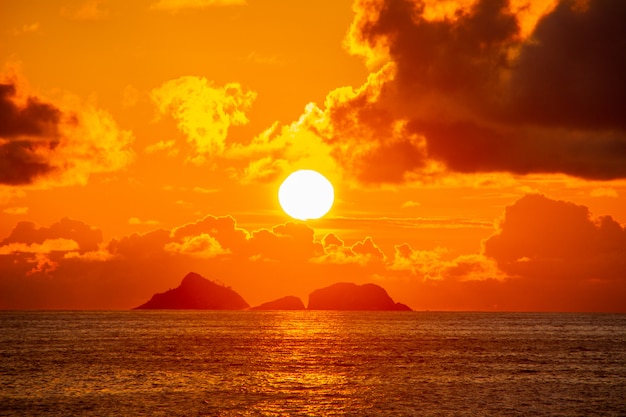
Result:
311,363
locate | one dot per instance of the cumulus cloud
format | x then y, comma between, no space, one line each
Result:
44,144
363,253
204,112
541,238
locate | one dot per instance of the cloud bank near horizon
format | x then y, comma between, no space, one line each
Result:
543,255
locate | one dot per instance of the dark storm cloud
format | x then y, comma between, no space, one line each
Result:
572,73
25,131
487,99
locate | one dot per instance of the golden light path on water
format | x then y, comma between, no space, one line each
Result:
310,363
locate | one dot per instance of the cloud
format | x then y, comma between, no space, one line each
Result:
39,251
138,221
428,264
257,58
42,144
369,249
89,10
204,112
541,238
27,132
410,204
26,28
264,170
173,6
604,192
202,246
224,229
28,233
543,255
279,150
130,96
288,242
363,253
8,194
48,245
162,145
94,144
201,190
476,87
15,210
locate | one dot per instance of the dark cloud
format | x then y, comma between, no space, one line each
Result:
540,238
486,98
572,72
35,118
42,144
25,131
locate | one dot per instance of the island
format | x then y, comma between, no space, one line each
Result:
289,302
196,293
350,296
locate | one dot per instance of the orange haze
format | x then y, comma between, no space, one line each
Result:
477,149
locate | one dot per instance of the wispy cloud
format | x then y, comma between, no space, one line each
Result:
89,10
26,28
16,210
410,204
173,6
135,221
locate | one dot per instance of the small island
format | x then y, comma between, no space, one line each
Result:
196,293
289,302
350,296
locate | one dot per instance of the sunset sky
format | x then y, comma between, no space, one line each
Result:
477,149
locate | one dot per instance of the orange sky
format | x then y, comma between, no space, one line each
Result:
477,149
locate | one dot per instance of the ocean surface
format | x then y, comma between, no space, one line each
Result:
311,363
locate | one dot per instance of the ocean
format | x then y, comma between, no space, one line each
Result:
311,363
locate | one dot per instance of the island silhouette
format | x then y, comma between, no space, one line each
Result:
198,293
290,302
350,296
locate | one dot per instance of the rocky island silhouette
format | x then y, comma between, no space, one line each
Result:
198,293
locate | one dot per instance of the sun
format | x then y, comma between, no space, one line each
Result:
306,194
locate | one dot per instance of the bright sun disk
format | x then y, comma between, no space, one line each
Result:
306,194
